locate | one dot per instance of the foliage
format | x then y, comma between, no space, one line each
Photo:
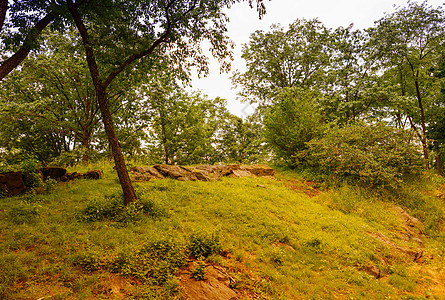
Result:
204,244
182,126
198,272
373,155
278,59
291,123
240,140
158,261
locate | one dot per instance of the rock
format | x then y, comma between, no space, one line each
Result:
202,172
93,174
372,270
11,183
240,173
56,173
258,170
145,173
172,171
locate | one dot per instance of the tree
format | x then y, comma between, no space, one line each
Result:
140,30
409,43
27,19
240,140
351,87
294,58
292,123
182,127
53,91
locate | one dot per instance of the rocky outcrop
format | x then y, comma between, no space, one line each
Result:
11,183
202,172
93,174
55,173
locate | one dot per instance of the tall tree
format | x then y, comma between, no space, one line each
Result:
142,29
279,59
55,89
409,42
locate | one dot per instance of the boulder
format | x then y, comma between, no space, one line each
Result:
258,170
56,173
202,172
11,183
145,173
240,173
93,174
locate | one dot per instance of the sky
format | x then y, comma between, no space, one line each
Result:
244,21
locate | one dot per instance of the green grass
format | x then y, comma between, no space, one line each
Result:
276,243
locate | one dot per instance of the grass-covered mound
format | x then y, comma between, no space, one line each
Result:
274,239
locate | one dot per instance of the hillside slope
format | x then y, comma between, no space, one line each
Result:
249,238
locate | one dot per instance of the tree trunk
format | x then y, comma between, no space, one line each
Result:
422,124
86,146
3,9
121,168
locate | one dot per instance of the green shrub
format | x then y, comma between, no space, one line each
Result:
29,168
100,208
158,261
204,245
370,155
291,123
198,272
89,260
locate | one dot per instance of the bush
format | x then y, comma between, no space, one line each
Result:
369,155
29,168
157,260
204,245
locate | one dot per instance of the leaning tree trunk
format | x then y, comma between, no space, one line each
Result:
121,168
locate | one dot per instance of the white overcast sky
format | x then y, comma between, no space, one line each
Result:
244,21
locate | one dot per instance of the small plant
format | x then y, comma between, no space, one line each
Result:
203,245
50,185
90,261
198,272
102,208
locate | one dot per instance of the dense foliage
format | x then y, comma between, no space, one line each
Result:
371,155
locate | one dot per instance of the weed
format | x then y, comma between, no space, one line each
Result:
198,272
203,244
51,185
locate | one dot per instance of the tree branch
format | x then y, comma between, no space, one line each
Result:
11,63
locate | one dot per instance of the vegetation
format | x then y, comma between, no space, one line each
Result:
353,120
79,241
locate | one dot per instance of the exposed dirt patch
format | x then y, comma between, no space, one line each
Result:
306,186
215,286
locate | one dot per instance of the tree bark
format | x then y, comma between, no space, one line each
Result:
438,162
3,9
121,168
100,88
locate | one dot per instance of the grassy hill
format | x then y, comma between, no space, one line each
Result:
255,238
